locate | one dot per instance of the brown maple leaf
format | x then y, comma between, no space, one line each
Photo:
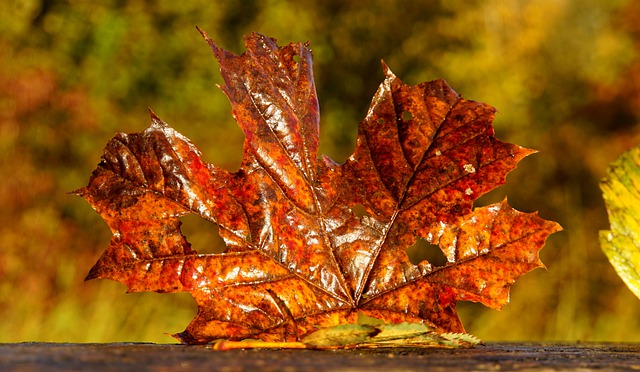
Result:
297,256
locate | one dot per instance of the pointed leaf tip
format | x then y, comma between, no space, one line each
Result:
217,51
386,70
152,114
155,120
204,34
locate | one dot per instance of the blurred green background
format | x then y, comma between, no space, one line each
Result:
564,75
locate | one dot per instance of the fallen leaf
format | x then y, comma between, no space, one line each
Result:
298,258
621,192
342,335
414,335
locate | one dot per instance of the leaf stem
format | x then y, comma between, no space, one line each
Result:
232,345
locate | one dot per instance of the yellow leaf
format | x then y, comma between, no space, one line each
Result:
621,192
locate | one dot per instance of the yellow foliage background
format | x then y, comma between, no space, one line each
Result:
564,75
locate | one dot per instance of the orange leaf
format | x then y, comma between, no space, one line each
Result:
297,255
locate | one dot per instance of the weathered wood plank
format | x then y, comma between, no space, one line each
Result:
146,357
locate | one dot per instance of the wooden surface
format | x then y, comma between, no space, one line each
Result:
152,357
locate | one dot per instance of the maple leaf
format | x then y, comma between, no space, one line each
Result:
297,256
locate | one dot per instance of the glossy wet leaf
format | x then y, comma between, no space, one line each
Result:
310,243
621,192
